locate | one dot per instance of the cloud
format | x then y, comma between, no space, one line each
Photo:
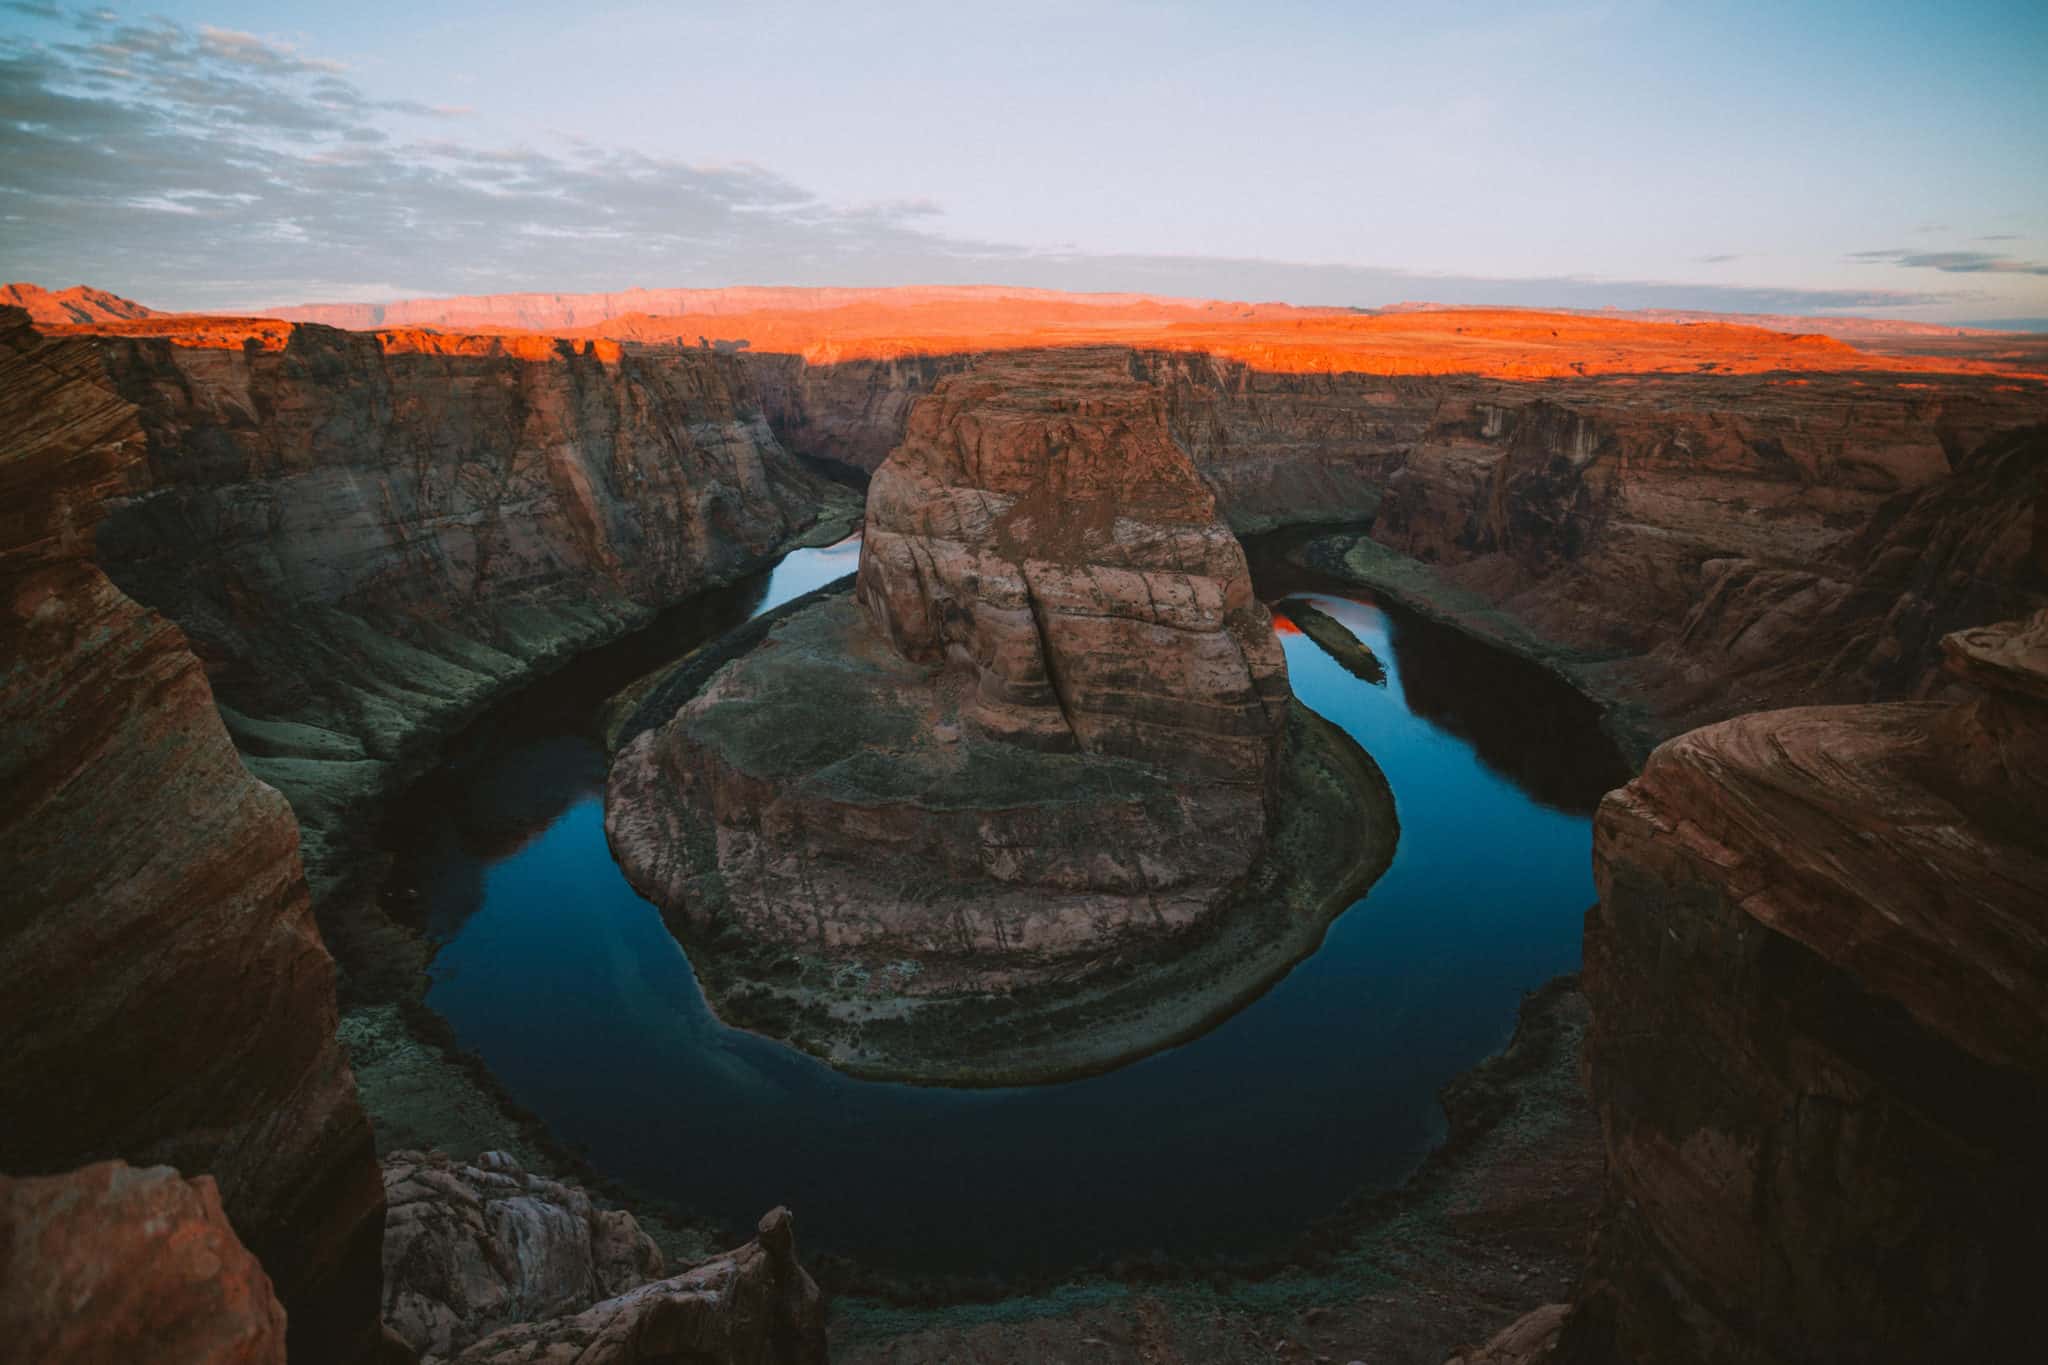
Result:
1717,260
1955,262
210,168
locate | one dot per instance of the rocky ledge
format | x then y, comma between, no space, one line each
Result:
487,1262
1819,975
1038,802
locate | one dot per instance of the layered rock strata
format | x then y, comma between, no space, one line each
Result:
1819,974
1749,539
114,1263
368,536
1046,741
164,994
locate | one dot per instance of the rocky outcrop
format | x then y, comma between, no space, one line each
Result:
1695,524
1039,523
751,1306
111,1263
1819,974
368,536
164,995
469,1250
1047,741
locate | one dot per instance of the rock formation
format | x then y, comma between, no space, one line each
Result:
367,537
1692,523
164,995
1040,523
1047,741
115,1263
1819,976
754,1305
469,1250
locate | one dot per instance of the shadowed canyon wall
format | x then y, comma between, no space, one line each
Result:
369,536
164,995
1819,975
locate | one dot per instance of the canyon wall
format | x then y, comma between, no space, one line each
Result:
1819,978
164,995
1736,539
368,536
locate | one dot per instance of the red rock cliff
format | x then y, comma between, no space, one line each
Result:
164,995
1819,977
1039,522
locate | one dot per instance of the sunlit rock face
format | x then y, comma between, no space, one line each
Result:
1819,975
1040,526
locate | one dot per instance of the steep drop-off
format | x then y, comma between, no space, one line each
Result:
1819,975
369,536
164,995
1045,745
1709,542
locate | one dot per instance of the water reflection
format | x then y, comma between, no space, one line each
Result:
586,1008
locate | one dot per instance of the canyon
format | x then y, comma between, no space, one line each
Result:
1060,721
259,571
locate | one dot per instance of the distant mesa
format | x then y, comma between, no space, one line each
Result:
80,304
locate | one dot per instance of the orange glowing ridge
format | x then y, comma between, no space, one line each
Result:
831,326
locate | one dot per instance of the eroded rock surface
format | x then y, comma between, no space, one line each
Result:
1749,539
751,1306
1046,741
115,1263
1819,973
1040,523
471,1249
164,994
368,536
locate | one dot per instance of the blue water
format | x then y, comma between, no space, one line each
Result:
572,990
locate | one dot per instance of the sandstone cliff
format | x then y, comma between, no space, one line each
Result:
1039,522
112,1263
1048,743
1722,540
367,537
164,995
1819,975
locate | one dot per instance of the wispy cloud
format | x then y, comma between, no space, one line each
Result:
1954,262
206,167
1722,259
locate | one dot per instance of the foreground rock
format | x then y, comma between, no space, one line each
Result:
115,1263
164,994
1048,746
469,1250
1819,974
751,1306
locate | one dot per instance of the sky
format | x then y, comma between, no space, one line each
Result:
1873,158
